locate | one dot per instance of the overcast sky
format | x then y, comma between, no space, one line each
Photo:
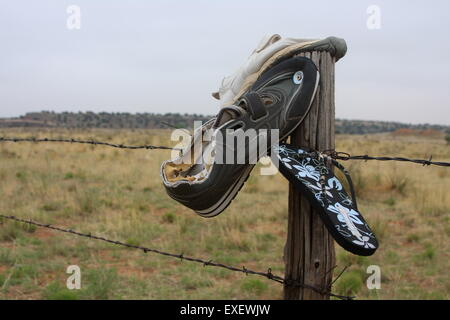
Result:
168,56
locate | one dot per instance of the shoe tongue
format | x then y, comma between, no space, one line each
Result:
228,113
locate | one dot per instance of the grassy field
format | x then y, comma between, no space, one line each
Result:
119,194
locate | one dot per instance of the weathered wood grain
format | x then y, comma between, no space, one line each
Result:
309,251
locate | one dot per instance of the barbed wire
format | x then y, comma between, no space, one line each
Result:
331,154
91,142
269,275
337,155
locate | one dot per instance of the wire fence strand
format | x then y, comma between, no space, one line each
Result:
333,154
425,162
337,155
268,275
91,142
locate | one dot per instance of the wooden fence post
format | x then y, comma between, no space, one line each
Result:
309,251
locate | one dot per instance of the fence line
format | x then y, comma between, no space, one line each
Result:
346,156
269,275
337,155
92,142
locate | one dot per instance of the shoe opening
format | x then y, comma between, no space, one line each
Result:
194,165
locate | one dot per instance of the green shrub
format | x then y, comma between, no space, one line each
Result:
9,231
22,273
133,242
254,286
190,283
55,291
398,182
429,252
447,138
390,201
69,175
349,283
169,217
101,284
51,206
413,237
20,175
7,258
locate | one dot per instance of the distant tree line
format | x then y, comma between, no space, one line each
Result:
367,127
123,120
119,120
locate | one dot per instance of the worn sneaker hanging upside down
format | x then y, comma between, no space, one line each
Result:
279,99
273,90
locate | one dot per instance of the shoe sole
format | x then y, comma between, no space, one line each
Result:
345,233
232,192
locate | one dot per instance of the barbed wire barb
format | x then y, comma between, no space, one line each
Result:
332,154
336,155
91,142
269,275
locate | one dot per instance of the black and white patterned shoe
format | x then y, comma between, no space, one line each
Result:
339,212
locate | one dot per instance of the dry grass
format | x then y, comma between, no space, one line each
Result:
118,193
